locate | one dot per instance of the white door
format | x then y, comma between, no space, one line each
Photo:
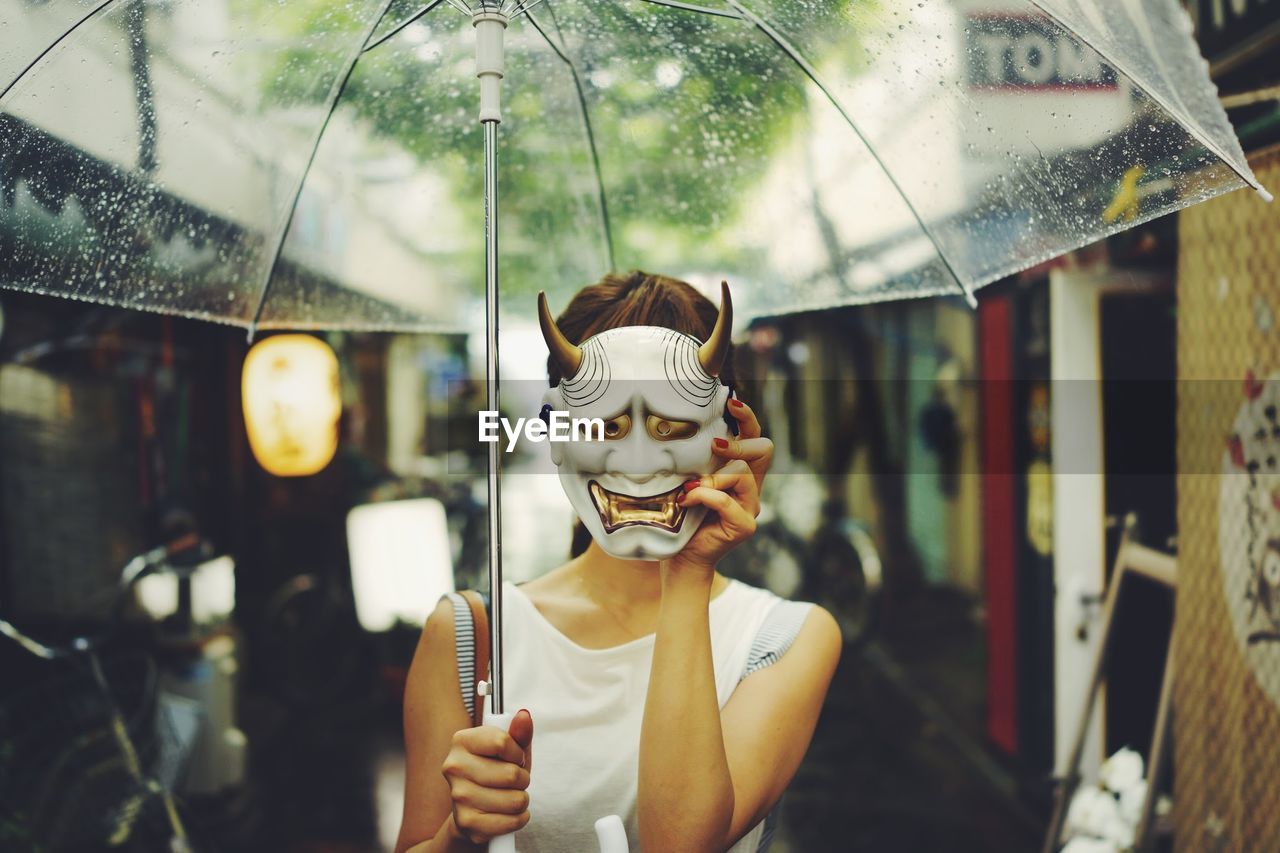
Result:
1079,497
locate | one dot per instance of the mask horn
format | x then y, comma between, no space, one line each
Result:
568,356
711,354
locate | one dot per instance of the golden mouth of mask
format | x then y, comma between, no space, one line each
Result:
618,511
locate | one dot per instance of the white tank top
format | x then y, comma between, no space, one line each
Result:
587,706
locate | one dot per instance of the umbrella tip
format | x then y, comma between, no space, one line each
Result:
1266,196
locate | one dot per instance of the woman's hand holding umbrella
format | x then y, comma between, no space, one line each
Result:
488,774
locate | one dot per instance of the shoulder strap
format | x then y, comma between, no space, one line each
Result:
777,632
480,643
464,650
471,647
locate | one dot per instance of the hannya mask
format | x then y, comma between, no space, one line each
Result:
657,393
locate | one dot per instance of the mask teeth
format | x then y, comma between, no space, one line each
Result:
617,511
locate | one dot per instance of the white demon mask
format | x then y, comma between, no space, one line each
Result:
657,392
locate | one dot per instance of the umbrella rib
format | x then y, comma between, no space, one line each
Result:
335,94
32,64
400,26
1122,67
522,8
702,10
591,136
812,73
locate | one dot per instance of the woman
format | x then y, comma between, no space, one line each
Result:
663,691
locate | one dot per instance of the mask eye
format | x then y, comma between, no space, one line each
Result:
617,428
668,429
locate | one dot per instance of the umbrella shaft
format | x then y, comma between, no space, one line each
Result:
491,385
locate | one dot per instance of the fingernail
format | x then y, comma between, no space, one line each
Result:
737,404
690,485
680,498
720,443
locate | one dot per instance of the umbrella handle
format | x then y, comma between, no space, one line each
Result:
609,830
611,834
503,843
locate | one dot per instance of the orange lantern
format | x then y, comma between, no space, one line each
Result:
292,400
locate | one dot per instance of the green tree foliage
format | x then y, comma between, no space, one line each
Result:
685,110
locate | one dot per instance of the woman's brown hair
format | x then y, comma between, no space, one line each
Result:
638,298
635,298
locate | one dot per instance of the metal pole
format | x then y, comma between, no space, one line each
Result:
491,379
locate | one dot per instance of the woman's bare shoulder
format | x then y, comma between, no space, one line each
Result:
437,631
822,633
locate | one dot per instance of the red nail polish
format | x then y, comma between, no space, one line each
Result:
680,498
737,404
690,485
720,443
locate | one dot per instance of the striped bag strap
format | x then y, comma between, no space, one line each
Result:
777,632
471,647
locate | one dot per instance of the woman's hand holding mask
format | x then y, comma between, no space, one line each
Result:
732,494
749,446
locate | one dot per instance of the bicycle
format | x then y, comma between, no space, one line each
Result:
845,574
805,544
79,772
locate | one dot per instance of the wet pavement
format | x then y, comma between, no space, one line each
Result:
891,769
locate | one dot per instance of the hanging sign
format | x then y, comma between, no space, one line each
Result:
1018,53
1036,89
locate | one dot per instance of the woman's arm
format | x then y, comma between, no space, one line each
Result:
463,785
686,796
707,776
433,711
769,720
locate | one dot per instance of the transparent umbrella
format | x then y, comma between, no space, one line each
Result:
318,164
315,164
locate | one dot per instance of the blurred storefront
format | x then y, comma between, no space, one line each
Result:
991,454
1078,408
974,446
1227,659
1078,362
1073,375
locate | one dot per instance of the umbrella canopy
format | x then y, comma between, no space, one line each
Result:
314,164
